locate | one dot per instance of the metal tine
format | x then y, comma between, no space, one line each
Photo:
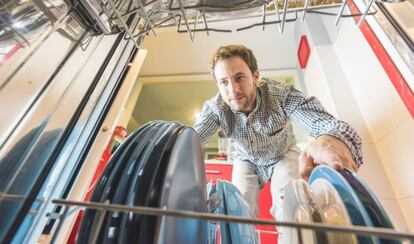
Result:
205,22
277,14
185,19
195,24
268,23
204,29
122,4
315,11
62,217
285,5
365,13
305,9
7,23
14,197
338,17
299,233
101,218
45,10
175,20
145,16
140,33
123,24
135,10
264,15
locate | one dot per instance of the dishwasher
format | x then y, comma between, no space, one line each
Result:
68,66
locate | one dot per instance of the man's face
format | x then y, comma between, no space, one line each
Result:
236,83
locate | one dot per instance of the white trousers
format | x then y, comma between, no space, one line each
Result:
244,177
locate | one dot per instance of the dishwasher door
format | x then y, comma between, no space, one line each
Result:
58,79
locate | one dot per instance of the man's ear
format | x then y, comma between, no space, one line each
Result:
256,76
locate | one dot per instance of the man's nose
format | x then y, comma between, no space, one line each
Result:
233,87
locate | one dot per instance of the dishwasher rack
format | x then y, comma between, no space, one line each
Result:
21,22
111,15
70,207
159,13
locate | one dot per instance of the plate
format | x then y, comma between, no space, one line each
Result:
225,236
117,182
155,171
138,188
353,205
333,209
299,206
184,188
370,202
236,205
89,216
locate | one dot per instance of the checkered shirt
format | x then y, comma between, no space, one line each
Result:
265,135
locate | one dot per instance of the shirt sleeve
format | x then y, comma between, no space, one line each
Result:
207,123
310,114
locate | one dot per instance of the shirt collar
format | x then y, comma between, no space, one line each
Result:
258,101
267,95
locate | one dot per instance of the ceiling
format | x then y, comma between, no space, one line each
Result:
172,53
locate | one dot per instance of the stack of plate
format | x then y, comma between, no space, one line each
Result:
299,206
333,197
160,165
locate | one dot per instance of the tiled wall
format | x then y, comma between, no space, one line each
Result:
358,91
390,125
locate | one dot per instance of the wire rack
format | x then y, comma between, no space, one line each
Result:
191,16
71,207
22,21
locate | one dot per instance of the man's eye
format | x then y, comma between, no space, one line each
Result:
240,78
223,82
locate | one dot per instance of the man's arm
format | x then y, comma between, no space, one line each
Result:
207,123
337,144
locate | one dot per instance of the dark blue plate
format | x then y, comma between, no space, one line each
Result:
122,151
370,202
184,188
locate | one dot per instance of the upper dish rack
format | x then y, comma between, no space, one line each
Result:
198,15
23,20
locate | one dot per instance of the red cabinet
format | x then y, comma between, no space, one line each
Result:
222,170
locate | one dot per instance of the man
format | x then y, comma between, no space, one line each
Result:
256,115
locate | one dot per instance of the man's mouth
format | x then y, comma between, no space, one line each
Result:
237,98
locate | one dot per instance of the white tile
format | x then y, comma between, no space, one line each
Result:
316,83
407,207
396,153
379,102
393,209
373,173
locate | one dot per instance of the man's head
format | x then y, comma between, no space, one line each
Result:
235,70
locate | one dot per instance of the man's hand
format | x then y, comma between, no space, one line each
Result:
327,150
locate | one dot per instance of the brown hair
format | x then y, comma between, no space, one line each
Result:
225,52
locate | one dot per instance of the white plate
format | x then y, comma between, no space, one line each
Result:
298,206
333,209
